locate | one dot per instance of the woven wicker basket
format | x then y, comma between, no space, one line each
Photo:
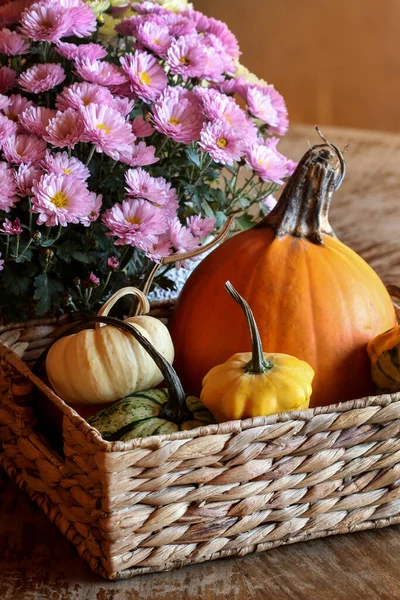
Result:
162,502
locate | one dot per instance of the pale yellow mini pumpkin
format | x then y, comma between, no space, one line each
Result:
101,365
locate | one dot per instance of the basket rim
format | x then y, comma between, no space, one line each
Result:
295,419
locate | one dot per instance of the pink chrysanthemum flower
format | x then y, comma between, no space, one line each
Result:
180,237
123,105
154,36
218,61
84,51
93,280
96,203
17,105
8,79
270,201
112,263
59,200
149,8
11,12
83,94
177,114
179,24
107,130
25,176
45,22
236,85
127,27
210,25
24,149
146,76
135,222
41,78
266,163
11,227
267,104
1,263
139,155
222,143
7,129
65,129
63,164
199,226
99,71
187,57
8,188
12,44
160,249
82,18
36,118
219,107
4,102
140,184
141,127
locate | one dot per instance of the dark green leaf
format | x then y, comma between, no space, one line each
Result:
245,222
47,293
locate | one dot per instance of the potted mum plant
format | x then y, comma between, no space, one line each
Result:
127,135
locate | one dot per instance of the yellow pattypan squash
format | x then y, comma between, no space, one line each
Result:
384,353
253,384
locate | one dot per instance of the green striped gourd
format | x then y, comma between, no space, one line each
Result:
152,412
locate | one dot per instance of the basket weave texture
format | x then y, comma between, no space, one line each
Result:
162,502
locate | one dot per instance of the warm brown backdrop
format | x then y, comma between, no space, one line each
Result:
337,62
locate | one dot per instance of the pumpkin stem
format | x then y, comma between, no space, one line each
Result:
302,209
258,364
175,409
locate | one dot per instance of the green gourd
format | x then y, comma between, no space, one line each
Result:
151,412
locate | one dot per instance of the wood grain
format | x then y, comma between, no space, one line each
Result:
335,63
36,562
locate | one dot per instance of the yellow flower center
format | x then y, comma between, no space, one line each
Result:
67,171
173,121
184,60
12,116
134,220
103,127
85,101
144,78
222,142
60,199
156,41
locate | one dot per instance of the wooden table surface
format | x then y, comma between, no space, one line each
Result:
36,562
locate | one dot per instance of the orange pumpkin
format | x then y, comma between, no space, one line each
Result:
312,296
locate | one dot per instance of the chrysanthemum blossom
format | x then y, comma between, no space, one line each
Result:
112,263
8,188
135,222
123,105
12,44
16,106
83,94
11,12
25,177
149,8
36,118
24,149
7,129
200,226
160,249
63,164
179,24
82,52
107,129
236,85
222,143
266,163
270,201
82,18
45,22
177,114
8,79
1,262
139,184
141,127
139,155
127,27
187,57
65,129
98,71
265,103
154,36
146,76
218,62
11,227
206,24
96,203
41,78
59,200
4,101
180,237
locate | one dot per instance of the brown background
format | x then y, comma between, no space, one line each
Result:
335,62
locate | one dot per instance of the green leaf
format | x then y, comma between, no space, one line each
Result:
208,211
26,255
245,222
15,283
193,157
47,243
47,293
